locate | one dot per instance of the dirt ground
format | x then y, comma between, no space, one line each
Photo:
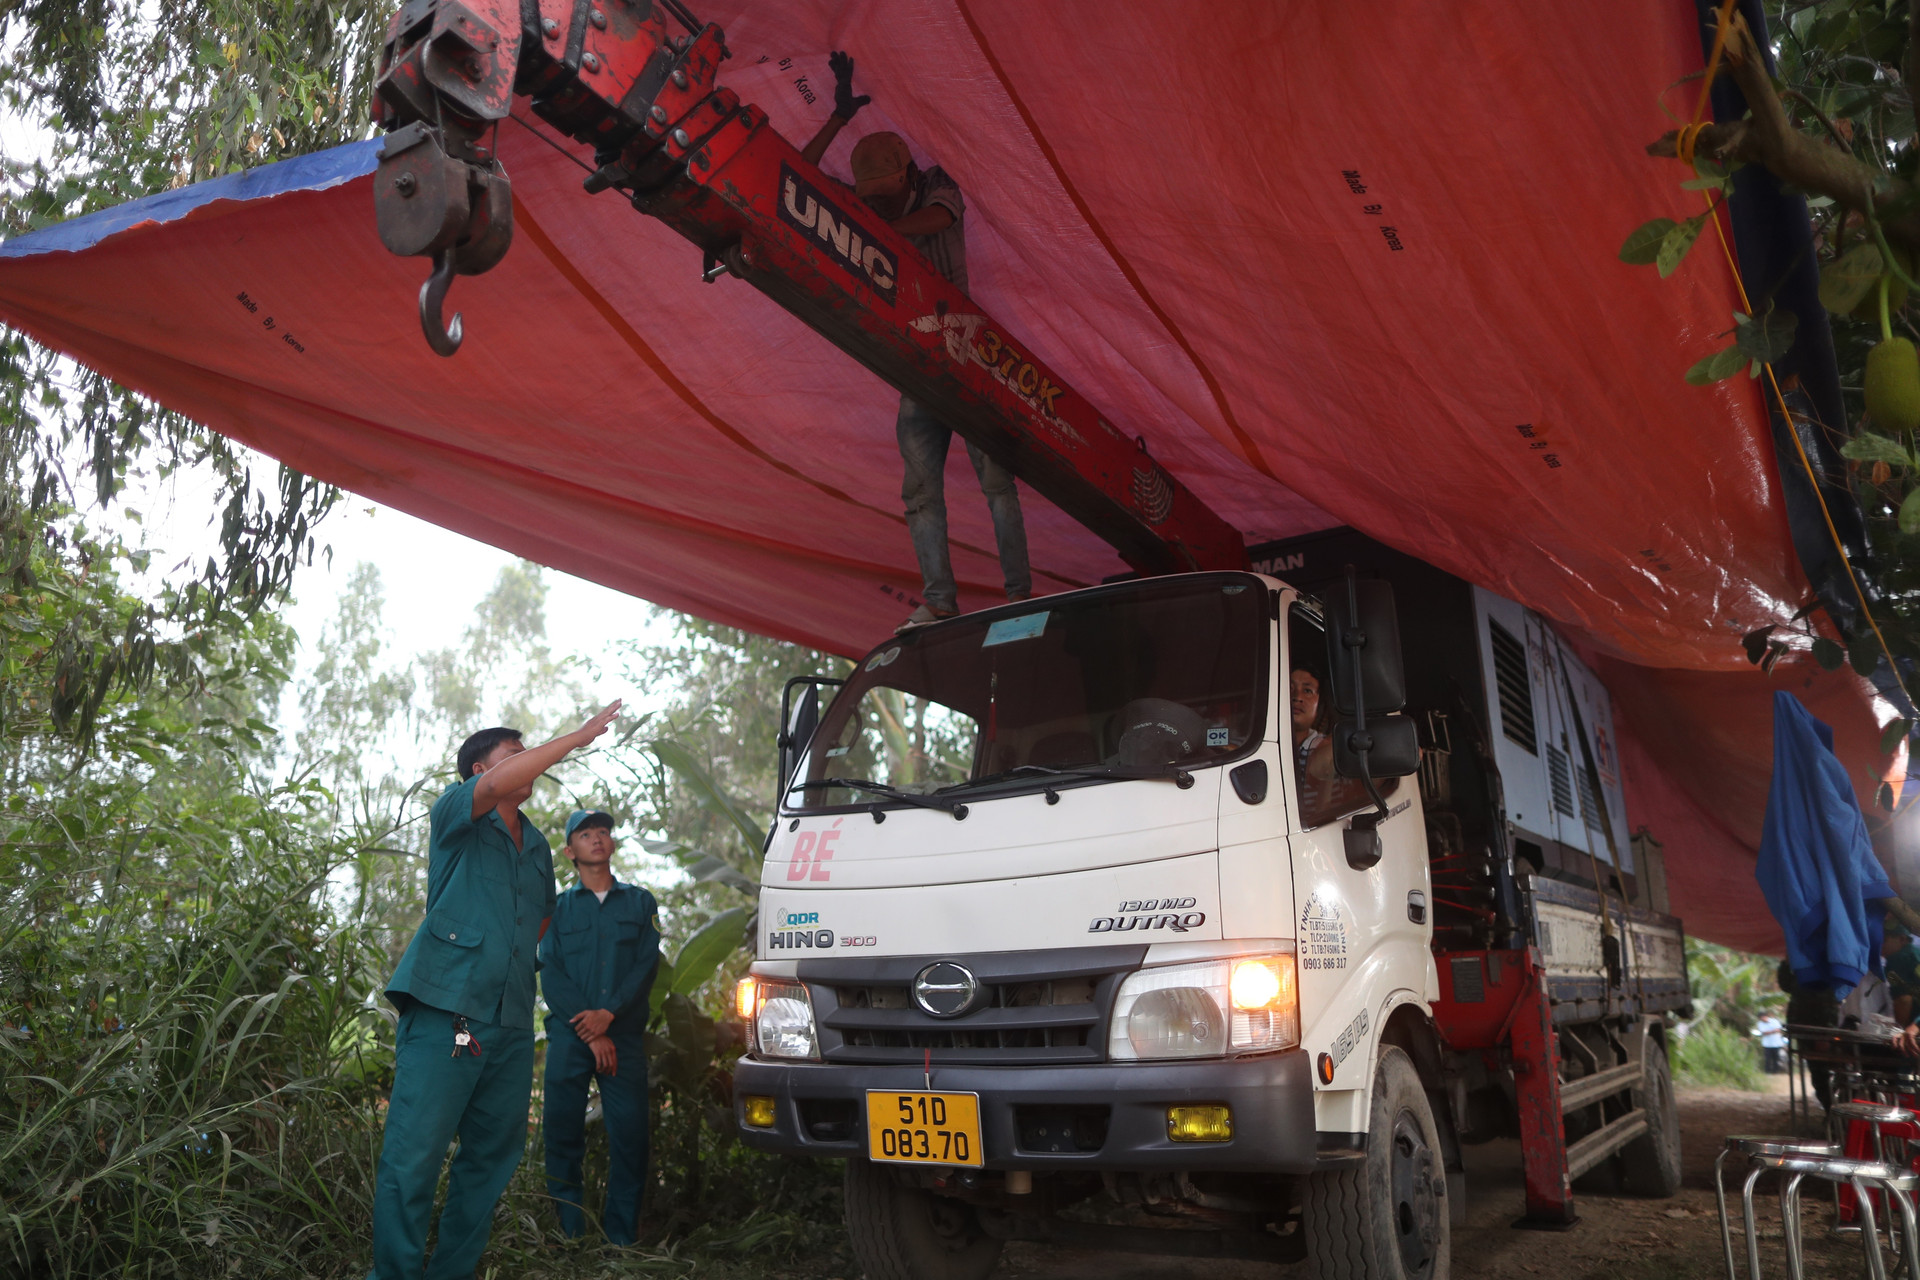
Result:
1616,1236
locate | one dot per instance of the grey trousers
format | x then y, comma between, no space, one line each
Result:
923,448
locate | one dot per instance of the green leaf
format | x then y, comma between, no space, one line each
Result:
1846,281
1674,246
1828,654
1864,655
1712,176
1910,513
1871,447
703,954
1767,338
681,1051
1642,247
707,791
1721,364
1890,736
712,870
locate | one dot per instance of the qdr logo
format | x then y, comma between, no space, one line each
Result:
788,918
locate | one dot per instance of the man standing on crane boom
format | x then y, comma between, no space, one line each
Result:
925,206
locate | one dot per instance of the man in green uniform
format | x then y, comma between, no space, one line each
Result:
463,1055
596,970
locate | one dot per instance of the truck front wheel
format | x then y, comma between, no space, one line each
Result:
908,1233
1386,1218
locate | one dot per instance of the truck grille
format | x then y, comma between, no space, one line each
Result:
1038,1007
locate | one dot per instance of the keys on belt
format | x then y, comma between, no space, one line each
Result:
463,1039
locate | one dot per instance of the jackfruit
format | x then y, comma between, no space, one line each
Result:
1893,385
1869,308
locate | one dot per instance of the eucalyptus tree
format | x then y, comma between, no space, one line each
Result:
115,99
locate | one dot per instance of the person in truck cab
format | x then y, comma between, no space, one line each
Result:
597,964
1312,748
925,206
1323,794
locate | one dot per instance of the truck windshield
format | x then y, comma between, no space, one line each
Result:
1139,678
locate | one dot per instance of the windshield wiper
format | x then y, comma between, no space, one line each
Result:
1130,772
868,785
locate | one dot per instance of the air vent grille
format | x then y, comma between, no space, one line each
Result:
1560,776
1515,686
1589,803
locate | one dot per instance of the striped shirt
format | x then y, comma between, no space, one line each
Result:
946,250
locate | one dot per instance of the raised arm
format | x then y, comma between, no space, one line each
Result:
845,107
812,152
521,770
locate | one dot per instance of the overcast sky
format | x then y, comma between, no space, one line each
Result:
434,578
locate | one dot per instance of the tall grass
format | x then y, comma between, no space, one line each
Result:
1715,1055
188,1078
193,1080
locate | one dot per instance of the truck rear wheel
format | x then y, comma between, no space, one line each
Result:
908,1233
1650,1165
1385,1219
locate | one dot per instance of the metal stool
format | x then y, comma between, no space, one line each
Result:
1881,1110
1872,1114
1897,1184
1751,1146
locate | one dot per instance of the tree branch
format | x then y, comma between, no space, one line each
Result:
1767,137
1818,114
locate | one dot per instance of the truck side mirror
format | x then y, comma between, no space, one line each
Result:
1392,749
1370,685
799,717
1363,631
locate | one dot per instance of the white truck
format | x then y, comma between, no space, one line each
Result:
1082,921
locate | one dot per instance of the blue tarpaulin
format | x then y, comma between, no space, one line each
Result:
1816,866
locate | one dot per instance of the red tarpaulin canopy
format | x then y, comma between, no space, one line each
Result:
1336,264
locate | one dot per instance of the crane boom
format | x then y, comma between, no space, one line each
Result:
685,149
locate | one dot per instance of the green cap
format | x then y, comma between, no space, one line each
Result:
587,818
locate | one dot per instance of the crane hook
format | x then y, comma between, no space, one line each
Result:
433,297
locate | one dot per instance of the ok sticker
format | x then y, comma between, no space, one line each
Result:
1217,736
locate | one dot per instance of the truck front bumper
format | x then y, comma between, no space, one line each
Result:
1047,1117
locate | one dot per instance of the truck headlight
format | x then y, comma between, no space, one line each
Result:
1206,1010
783,1022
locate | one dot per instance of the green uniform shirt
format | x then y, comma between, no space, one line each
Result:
474,953
601,955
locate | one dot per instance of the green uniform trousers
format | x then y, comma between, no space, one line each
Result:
436,1098
623,1109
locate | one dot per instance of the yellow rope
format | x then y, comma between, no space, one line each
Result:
1683,145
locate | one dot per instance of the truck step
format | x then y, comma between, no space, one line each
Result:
1575,1094
1603,1142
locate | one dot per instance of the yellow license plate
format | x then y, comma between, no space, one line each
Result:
924,1128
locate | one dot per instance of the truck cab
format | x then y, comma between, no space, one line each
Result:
1082,916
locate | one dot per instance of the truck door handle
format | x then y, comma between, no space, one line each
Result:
1417,906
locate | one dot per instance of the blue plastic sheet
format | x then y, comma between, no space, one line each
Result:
1816,866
